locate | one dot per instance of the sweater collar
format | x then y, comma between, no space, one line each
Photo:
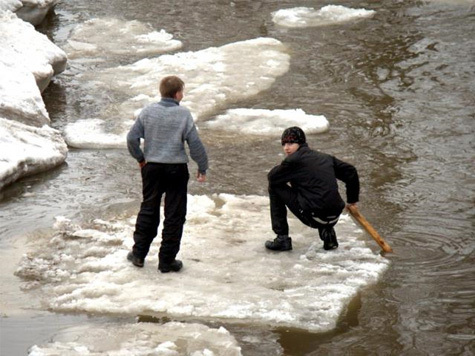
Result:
168,102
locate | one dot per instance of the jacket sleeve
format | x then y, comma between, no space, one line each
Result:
282,173
349,175
133,140
197,149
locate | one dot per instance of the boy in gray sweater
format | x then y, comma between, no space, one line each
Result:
164,127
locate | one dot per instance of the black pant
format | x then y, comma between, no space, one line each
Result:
159,179
282,196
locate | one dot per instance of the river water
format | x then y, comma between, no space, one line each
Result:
399,93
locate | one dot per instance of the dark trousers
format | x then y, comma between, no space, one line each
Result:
282,196
159,179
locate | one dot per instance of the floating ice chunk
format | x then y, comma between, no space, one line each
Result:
227,273
327,15
143,339
92,133
268,122
101,37
214,78
25,150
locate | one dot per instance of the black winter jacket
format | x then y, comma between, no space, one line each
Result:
314,175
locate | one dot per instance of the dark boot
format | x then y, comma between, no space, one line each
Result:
328,236
175,266
280,243
135,260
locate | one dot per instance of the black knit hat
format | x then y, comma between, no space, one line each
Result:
293,135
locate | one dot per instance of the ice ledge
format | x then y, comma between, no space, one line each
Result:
32,11
25,150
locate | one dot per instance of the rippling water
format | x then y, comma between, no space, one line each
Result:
398,90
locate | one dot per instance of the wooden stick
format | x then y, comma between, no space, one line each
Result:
367,226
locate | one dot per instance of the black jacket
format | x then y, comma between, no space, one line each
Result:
314,175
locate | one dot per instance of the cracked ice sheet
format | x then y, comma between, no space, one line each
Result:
214,78
300,17
228,274
143,339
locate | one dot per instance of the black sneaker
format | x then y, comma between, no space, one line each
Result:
135,260
280,243
329,239
175,266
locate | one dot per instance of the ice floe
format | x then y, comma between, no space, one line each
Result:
228,274
143,339
310,17
100,38
214,78
268,122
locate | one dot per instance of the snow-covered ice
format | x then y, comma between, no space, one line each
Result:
123,38
28,61
214,78
310,17
20,97
268,122
143,339
26,150
21,43
228,275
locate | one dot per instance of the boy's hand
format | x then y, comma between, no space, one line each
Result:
200,177
142,164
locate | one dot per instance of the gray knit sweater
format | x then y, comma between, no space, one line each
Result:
165,126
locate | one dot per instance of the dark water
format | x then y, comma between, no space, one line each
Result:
399,92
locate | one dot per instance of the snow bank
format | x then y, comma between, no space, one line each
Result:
122,38
25,150
144,339
214,78
268,122
22,44
228,274
28,60
327,15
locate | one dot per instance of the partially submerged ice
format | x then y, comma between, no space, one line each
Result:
143,339
300,17
228,276
123,38
267,122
